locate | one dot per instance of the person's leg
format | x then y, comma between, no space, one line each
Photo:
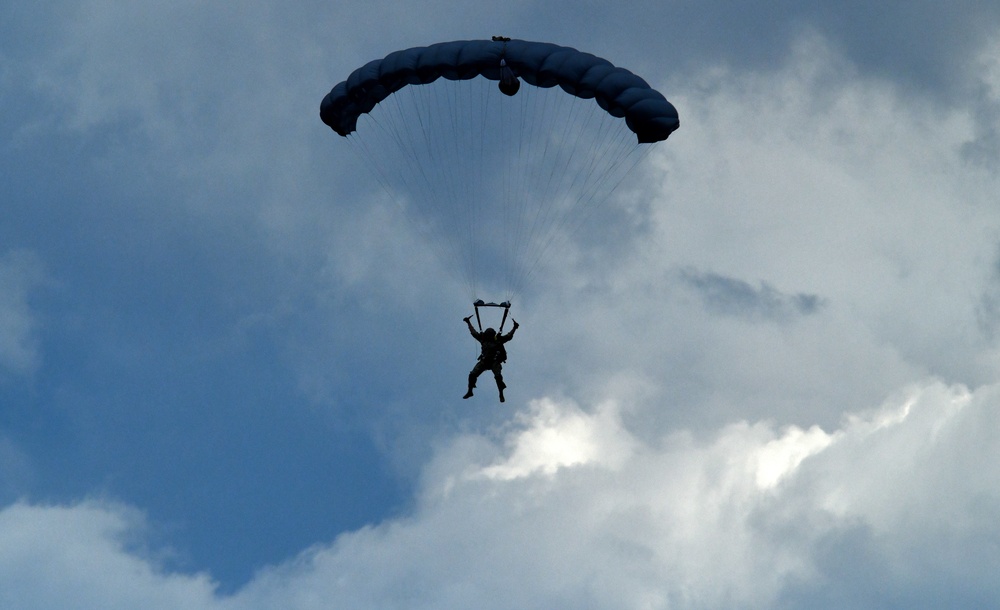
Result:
498,375
473,375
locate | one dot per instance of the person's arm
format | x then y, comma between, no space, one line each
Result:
472,329
510,335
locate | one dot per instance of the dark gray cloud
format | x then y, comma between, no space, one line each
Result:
983,149
854,569
728,296
926,45
988,307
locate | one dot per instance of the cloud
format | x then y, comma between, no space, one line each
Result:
844,187
567,508
21,274
86,556
984,148
558,438
815,175
732,297
752,516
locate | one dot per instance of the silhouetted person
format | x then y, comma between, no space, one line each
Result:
491,357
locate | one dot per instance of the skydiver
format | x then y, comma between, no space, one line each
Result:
491,357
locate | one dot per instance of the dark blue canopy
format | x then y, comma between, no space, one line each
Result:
621,93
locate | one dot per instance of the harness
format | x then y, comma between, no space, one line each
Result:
493,352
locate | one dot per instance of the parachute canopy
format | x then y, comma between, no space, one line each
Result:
500,182
621,93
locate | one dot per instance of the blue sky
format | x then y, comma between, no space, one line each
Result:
231,371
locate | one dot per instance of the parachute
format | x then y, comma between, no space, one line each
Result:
498,176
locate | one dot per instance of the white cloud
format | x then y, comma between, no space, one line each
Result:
80,557
782,456
558,437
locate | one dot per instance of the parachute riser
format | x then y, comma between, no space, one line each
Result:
506,310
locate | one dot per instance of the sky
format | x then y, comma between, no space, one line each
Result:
231,370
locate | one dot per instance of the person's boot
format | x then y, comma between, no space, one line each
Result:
468,394
501,395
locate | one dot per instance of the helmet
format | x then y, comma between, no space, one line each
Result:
489,332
